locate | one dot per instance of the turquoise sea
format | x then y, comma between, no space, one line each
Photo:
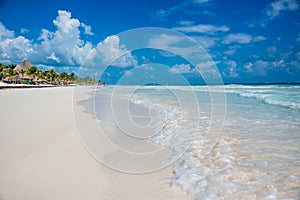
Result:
228,142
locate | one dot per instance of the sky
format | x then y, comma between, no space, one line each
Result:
244,41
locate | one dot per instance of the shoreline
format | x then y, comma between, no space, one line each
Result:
25,86
4,86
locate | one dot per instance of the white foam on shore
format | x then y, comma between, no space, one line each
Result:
240,167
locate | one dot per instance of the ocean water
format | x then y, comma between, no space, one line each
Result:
229,142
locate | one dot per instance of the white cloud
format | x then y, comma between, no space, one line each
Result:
186,23
180,69
230,52
167,54
178,45
298,38
65,23
146,67
201,1
202,28
261,64
5,33
259,67
165,40
237,38
24,30
230,70
87,29
13,48
62,47
248,67
204,41
277,7
278,64
110,51
262,67
205,64
65,41
53,57
272,51
162,14
258,38
241,38
208,71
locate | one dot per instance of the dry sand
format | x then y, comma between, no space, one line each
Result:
41,156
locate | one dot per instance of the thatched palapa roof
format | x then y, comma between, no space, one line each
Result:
25,65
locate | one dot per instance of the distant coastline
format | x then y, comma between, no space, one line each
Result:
26,75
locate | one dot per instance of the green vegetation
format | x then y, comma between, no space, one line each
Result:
33,75
32,71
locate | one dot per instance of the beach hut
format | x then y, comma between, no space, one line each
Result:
40,81
8,80
12,79
24,66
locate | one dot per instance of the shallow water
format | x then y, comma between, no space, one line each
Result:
252,152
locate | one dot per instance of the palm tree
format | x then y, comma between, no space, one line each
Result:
31,71
51,75
22,72
10,71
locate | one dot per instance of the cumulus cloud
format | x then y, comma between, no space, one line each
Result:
208,71
231,69
263,67
87,29
5,33
202,28
62,47
241,38
260,67
277,7
180,69
65,23
111,52
287,62
13,48
65,42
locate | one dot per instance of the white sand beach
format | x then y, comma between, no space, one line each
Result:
41,156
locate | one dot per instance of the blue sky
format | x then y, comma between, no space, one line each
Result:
249,41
